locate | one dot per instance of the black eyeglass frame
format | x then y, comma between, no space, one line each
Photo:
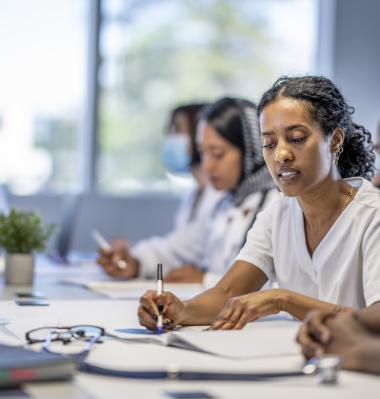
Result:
49,339
58,328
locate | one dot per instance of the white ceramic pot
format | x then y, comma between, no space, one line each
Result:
19,269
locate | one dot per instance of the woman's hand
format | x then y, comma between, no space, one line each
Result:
314,334
241,310
171,307
118,256
331,332
341,334
185,274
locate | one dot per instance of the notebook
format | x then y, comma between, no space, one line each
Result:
258,339
151,362
19,365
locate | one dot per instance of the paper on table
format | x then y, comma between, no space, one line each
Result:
258,339
8,338
139,357
4,320
133,289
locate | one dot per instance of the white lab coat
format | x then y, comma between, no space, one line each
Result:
184,212
343,269
211,242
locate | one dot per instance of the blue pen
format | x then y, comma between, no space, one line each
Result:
160,289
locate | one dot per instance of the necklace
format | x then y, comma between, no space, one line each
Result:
349,195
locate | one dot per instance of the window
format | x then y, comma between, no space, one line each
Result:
156,54
42,80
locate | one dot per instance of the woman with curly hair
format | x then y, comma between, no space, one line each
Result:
319,241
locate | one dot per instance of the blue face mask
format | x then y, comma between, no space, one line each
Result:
175,153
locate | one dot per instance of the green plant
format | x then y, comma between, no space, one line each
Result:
23,232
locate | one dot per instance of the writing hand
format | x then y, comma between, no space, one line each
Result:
111,259
148,310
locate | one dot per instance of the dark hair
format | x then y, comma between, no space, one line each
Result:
225,116
235,119
191,112
327,106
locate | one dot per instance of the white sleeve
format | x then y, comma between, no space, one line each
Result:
183,211
371,259
182,246
258,248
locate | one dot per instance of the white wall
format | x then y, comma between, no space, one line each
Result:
349,53
136,217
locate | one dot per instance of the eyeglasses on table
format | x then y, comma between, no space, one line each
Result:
75,341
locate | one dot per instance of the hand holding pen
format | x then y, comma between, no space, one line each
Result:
115,257
160,310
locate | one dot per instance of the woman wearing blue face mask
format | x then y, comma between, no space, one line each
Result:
180,156
228,138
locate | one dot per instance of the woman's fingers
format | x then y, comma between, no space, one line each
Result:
229,315
316,326
233,319
241,323
313,335
116,260
114,271
148,301
222,317
171,309
310,347
167,304
245,308
145,318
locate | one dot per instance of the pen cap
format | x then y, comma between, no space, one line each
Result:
159,271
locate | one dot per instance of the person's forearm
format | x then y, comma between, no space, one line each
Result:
299,305
370,317
202,309
242,278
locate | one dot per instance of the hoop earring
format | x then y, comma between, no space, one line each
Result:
337,155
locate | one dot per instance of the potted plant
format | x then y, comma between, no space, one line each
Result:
22,233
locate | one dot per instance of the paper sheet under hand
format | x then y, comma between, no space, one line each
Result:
257,339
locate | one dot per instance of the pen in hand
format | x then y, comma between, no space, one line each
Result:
160,289
105,246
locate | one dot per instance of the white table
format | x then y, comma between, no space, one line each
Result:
75,305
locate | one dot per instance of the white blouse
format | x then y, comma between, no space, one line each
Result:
345,267
211,242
